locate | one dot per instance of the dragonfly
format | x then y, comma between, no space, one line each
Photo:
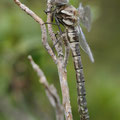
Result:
70,18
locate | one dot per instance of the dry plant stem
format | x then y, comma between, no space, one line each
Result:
67,51
61,71
58,46
43,28
50,91
65,90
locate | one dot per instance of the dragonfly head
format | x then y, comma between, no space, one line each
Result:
59,2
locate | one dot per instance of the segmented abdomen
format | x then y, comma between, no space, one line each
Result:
73,38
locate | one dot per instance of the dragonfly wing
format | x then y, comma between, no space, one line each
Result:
83,44
85,16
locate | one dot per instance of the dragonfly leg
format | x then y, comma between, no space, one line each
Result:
58,40
46,11
58,24
49,11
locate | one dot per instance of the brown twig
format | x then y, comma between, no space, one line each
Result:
67,50
58,46
61,71
50,91
43,28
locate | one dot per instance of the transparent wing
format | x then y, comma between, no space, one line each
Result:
85,16
83,44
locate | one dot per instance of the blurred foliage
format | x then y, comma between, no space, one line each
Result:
21,95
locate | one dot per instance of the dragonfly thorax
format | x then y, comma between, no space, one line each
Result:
67,15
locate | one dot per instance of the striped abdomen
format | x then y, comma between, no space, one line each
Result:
74,45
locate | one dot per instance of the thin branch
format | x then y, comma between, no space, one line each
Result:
67,52
65,90
58,46
43,28
64,38
50,91
61,71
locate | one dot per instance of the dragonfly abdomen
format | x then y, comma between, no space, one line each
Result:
73,39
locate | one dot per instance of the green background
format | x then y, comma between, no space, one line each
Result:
22,97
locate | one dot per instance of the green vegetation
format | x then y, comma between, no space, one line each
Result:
22,96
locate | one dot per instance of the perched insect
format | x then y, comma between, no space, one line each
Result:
70,18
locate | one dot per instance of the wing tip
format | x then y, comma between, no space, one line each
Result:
91,56
92,59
